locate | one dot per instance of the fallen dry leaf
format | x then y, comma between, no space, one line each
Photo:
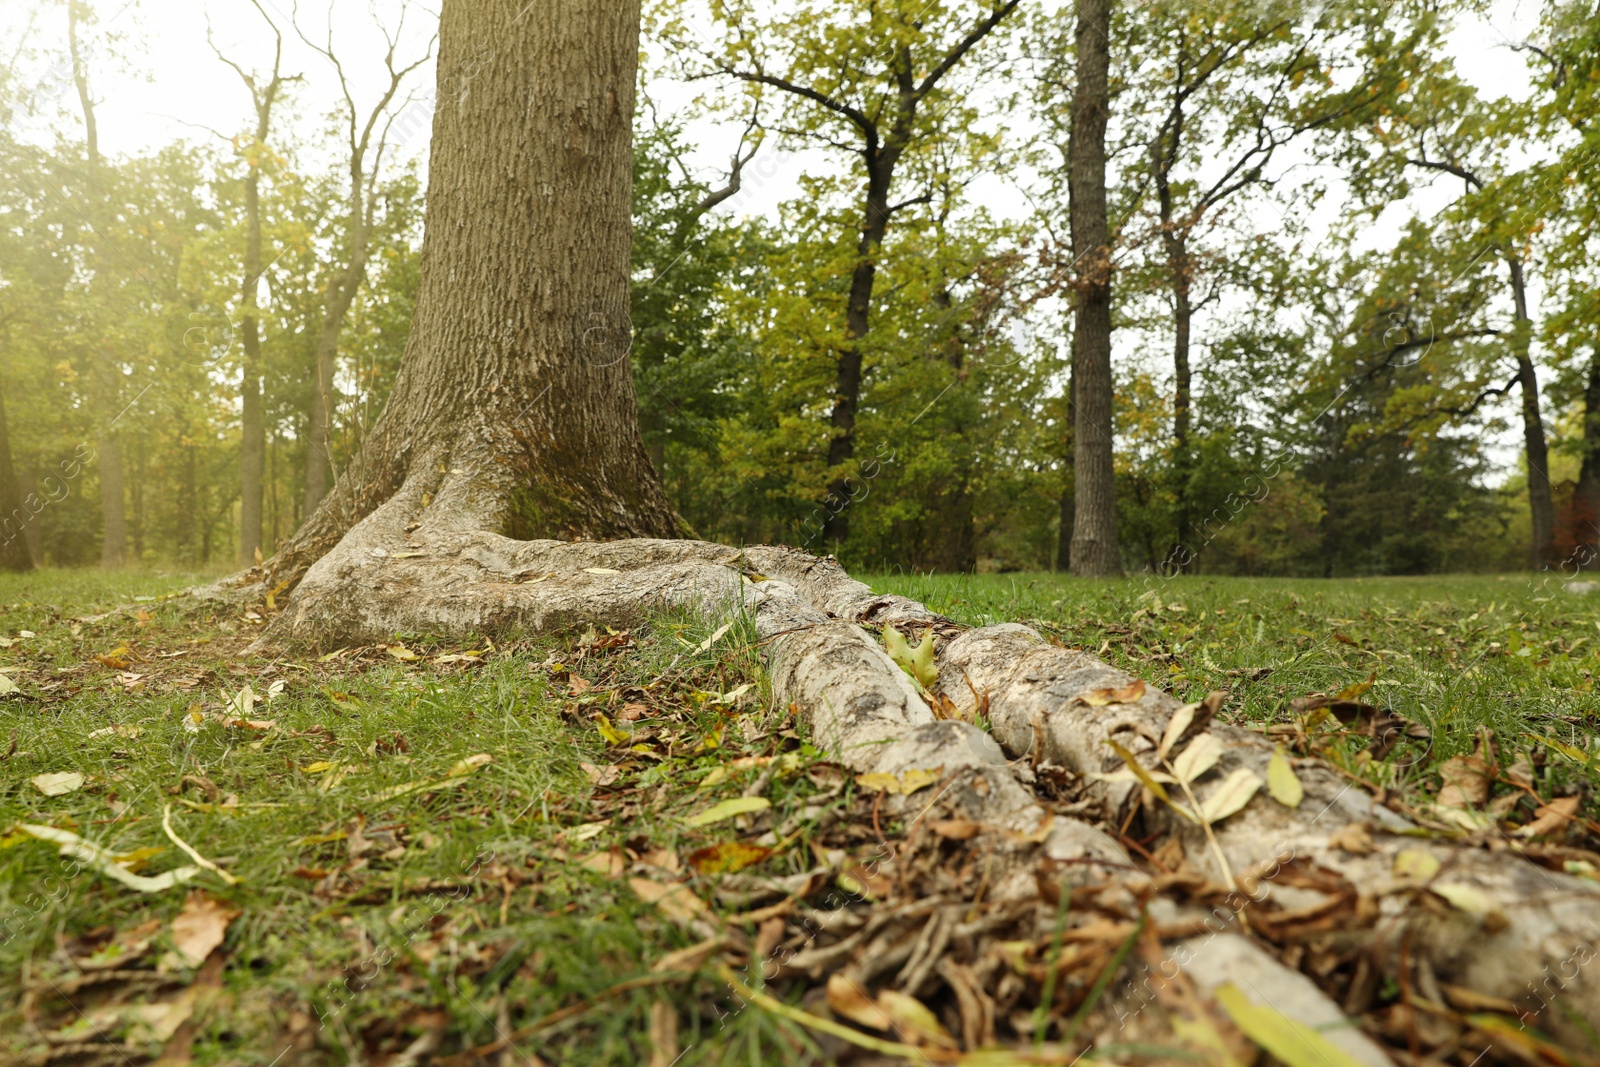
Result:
956,829
58,783
1552,818
1353,838
727,857
848,1000
199,928
1129,694
600,776
904,784
676,902
610,863
727,809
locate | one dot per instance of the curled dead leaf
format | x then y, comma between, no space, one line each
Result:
1131,693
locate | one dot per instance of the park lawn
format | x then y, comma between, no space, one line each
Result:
435,844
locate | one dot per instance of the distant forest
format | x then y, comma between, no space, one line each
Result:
194,340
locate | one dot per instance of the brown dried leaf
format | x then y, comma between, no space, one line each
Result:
1352,838
1552,818
199,928
956,829
676,902
1129,694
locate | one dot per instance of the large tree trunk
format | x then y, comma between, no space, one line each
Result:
1094,531
14,518
1540,503
513,413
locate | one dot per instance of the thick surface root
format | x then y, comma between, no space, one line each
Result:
1340,882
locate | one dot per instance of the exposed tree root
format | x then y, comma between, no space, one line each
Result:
1474,928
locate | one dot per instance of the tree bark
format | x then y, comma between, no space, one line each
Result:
1068,491
1541,505
253,429
513,413
14,518
1094,533
341,295
104,372
253,444
880,162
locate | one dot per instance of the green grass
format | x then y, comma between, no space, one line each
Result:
1516,653
341,957
368,945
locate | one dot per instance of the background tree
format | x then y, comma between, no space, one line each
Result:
1094,532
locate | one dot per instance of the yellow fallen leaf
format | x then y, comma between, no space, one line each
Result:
600,570
1463,897
1201,755
902,784
1282,782
58,783
1175,727
1293,1043
1415,865
1351,692
705,646
612,735
913,1021
1231,796
727,809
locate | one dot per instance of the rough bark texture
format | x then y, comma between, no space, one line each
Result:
1540,502
14,555
513,412
1094,532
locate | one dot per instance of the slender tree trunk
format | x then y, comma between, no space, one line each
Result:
1094,532
1540,503
1068,493
858,320
136,499
105,374
113,503
513,413
28,489
1181,557
14,517
341,296
252,449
